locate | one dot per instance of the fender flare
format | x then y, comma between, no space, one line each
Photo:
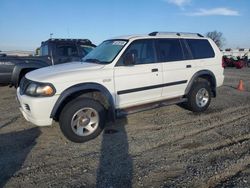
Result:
20,67
200,74
81,87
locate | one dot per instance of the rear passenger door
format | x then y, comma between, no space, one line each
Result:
176,69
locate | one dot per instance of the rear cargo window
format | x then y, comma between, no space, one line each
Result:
200,48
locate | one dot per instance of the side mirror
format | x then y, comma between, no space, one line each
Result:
129,59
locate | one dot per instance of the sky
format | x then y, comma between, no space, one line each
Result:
25,23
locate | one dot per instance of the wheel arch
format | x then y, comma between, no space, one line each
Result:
205,74
79,90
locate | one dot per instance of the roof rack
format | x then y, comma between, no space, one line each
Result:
68,40
155,33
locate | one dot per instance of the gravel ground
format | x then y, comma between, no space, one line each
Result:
166,147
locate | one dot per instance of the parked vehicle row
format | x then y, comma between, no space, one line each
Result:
238,62
121,76
52,52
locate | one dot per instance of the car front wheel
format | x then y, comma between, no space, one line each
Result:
82,119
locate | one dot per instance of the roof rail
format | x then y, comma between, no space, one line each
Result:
155,33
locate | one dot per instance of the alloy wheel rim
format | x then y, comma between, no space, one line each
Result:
85,121
202,97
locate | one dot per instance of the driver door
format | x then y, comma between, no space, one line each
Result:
141,82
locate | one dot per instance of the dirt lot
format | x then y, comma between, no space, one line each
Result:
167,147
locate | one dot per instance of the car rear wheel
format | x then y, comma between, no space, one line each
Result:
82,119
199,97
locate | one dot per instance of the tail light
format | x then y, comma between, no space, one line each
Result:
223,62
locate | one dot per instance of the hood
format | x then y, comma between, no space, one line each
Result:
52,72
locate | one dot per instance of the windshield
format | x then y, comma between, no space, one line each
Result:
105,52
86,49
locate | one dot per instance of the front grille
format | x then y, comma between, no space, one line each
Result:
23,85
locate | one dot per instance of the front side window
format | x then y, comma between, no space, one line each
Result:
169,50
143,51
200,48
105,52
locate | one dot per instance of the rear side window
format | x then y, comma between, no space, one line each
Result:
169,50
200,48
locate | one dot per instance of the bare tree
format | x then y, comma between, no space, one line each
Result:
217,37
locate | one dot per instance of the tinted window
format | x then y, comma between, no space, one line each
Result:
143,51
67,51
169,50
200,48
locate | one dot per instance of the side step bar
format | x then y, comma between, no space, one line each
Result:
144,107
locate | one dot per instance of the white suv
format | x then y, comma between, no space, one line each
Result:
123,75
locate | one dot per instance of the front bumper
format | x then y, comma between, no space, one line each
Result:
36,110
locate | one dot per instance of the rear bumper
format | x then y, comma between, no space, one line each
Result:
36,110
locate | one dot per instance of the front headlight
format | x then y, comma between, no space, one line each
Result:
37,89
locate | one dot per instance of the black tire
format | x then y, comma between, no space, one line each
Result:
71,109
191,103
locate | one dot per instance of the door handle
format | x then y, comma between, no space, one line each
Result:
188,66
154,70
